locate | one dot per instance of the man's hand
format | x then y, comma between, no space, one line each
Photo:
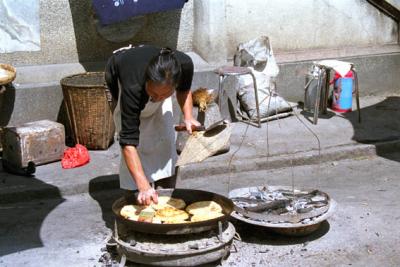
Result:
189,123
147,196
146,193
185,102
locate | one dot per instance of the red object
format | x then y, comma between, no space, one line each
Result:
75,157
337,109
337,76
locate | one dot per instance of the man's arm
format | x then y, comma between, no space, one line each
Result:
111,77
146,192
186,103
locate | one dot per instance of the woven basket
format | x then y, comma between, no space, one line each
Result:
11,73
87,99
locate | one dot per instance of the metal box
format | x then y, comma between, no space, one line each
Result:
32,144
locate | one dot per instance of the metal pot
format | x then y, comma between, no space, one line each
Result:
189,196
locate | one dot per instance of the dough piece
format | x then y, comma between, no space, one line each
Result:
165,201
171,214
203,207
156,220
199,217
131,212
173,220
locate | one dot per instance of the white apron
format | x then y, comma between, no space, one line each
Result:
157,150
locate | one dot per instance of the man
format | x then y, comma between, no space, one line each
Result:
143,79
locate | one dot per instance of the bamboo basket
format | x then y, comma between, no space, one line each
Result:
87,100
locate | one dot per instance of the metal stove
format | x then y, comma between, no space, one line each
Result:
183,244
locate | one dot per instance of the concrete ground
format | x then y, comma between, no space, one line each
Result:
70,231
290,143
61,217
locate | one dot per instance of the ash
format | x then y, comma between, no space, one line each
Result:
281,205
166,244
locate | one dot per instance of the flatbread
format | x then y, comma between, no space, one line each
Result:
131,211
205,216
171,214
204,207
166,201
173,220
156,220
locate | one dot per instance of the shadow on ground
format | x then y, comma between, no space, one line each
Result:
20,222
379,123
7,101
309,116
264,236
98,191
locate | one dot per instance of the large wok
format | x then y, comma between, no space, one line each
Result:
189,196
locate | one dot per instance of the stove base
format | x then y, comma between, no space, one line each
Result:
187,250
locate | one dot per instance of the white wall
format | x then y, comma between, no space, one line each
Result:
395,3
210,37
294,25
69,34
212,28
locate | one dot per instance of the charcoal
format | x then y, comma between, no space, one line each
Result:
194,246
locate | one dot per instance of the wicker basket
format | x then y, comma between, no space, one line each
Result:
87,99
10,74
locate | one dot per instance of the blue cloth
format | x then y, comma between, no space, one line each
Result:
112,11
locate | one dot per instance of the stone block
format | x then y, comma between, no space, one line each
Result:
32,144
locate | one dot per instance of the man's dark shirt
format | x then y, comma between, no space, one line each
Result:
128,67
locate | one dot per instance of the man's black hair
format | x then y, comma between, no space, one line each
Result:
164,68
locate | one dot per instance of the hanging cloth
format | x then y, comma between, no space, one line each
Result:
112,11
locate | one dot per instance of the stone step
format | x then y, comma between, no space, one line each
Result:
50,181
36,93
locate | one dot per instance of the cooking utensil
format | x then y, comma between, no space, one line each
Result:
202,145
189,196
182,127
146,216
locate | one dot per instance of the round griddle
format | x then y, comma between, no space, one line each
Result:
286,228
189,196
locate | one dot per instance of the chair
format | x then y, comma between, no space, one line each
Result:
225,71
323,69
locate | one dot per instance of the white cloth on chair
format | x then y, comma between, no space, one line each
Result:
341,67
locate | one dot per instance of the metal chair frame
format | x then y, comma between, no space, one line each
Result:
226,71
324,71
